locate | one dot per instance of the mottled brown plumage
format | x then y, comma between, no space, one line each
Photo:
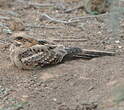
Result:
29,53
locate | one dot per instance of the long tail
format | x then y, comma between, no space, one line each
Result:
75,52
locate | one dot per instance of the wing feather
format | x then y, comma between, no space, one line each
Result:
40,55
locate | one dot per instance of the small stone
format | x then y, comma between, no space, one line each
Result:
119,47
99,32
24,97
54,99
117,41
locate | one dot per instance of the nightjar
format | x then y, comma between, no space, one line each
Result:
29,53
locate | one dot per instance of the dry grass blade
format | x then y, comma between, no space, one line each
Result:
45,16
38,5
43,26
3,17
70,40
73,9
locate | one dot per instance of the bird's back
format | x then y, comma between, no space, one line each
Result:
37,56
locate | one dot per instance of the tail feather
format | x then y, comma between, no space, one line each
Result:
75,52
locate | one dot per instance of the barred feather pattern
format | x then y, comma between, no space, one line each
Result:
38,55
29,53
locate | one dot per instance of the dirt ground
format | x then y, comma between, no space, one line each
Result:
69,85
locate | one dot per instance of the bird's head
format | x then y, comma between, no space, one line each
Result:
21,41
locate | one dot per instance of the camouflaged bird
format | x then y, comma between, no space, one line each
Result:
28,53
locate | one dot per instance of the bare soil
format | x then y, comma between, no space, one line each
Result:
69,85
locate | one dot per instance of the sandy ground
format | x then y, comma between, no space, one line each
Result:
69,85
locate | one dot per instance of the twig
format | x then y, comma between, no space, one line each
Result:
3,17
56,20
37,5
90,16
12,13
75,8
42,26
5,40
69,40
72,20
53,19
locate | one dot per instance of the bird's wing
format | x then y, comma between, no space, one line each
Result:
40,55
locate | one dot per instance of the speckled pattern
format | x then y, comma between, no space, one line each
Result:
69,84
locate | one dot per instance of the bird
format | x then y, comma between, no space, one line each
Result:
29,53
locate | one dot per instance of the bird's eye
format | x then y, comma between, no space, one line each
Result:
18,38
